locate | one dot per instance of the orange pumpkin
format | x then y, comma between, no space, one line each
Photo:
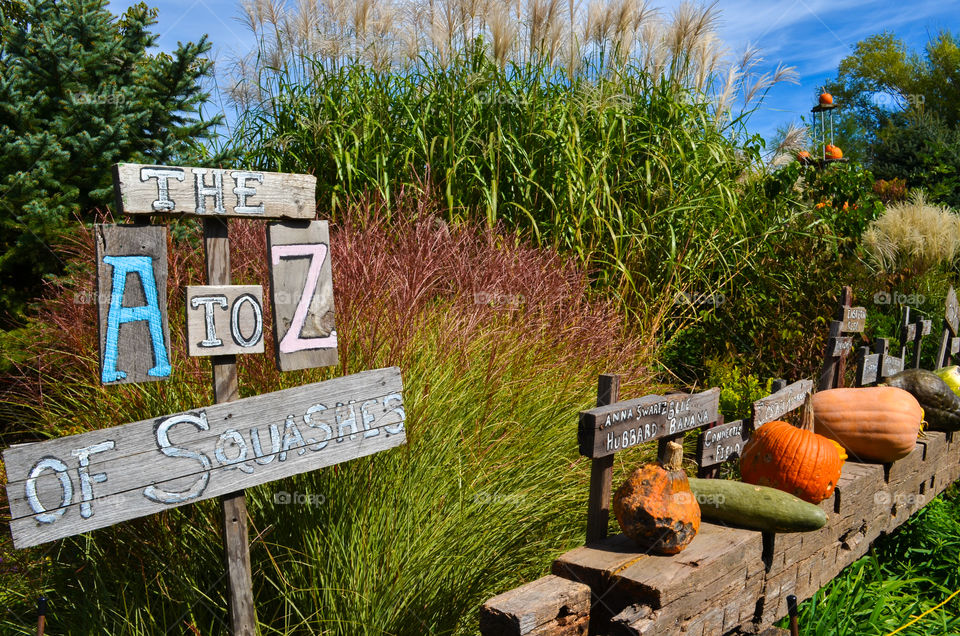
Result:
833,152
826,99
795,460
878,423
803,155
655,506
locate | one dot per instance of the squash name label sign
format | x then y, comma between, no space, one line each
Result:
607,429
79,483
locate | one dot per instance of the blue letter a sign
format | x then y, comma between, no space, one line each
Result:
132,298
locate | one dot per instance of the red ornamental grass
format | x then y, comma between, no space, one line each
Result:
393,279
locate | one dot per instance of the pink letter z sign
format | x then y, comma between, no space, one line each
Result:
300,276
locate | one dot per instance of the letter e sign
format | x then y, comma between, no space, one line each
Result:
304,330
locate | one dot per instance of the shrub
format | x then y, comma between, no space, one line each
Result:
79,92
913,235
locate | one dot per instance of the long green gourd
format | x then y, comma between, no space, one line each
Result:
755,507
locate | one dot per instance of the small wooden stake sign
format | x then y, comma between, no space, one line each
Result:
75,484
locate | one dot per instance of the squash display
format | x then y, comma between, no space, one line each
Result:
755,507
941,406
833,152
795,460
879,423
655,506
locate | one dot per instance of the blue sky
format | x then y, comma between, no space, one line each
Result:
812,35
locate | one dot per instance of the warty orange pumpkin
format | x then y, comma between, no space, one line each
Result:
878,423
795,460
655,506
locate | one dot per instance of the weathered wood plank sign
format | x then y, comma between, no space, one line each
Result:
949,343
132,303
854,320
302,290
79,483
144,189
842,345
224,319
607,429
868,365
778,404
952,312
722,443
837,345
890,365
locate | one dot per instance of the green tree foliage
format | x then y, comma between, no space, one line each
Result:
79,92
901,111
925,152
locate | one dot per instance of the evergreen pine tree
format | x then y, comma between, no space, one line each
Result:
78,93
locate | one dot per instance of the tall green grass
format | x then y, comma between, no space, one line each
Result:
622,149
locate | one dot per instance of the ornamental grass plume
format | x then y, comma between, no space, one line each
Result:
913,235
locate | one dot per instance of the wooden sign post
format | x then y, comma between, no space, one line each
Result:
75,484
849,320
617,425
949,342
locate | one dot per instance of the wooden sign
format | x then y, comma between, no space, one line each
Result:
132,303
854,320
890,365
952,312
868,365
79,483
778,404
925,327
954,345
720,443
908,333
608,429
224,319
143,189
302,290
842,345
